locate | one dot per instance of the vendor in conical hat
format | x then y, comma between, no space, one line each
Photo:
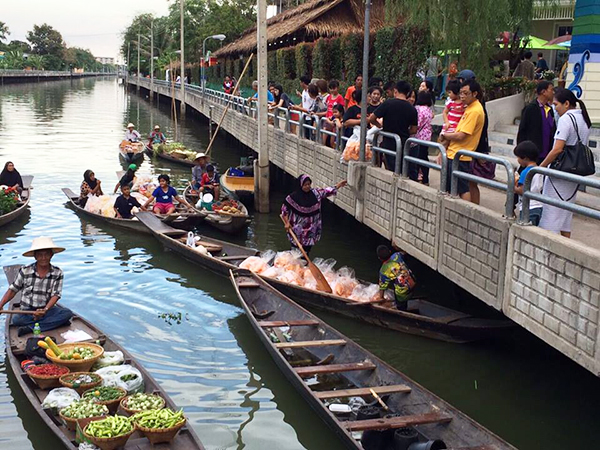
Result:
156,137
201,161
40,285
131,134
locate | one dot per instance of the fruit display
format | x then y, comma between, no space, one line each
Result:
227,206
81,409
144,402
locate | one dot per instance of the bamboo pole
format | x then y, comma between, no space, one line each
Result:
237,85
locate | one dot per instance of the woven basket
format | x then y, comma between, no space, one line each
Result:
64,380
112,405
109,443
77,365
46,381
157,436
133,411
71,423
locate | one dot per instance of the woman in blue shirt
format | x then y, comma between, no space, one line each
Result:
164,195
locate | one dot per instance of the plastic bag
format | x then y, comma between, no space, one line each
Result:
75,336
345,283
254,264
272,272
109,359
124,376
364,293
60,398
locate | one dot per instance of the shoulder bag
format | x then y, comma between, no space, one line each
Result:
576,159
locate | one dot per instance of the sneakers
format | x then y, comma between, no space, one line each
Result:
23,330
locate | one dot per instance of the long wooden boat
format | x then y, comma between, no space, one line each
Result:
15,350
165,156
237,187
22,205
182,221
328,368
227,223
131,152
423,318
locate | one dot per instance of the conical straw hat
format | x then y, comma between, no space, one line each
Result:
43,243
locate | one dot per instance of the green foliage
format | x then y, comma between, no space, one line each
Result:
303,59
320,59
4,32
286,64
385,50
8,202
352,51
272,67
336,59
413,45
36,62
45,40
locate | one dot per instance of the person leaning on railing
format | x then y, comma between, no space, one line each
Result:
573,126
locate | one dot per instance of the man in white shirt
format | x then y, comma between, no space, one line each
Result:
132,135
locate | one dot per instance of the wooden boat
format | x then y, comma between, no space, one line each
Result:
167,157
237,187
327,368
180,221
423,318
222,221
22,205
15,349
131,152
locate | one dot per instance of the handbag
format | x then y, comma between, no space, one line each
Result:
483,169
576,159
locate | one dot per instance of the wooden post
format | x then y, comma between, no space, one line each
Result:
138,68
182,71
261,197
152,60
365,75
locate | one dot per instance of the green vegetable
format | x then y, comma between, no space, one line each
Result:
158,419
110,427
143,402
81,409
103,394
8,202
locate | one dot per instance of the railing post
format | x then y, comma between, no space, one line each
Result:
287,120
318,137
338,139
454,180
404,161
399,154
301,125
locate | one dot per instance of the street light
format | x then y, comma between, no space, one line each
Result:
218,37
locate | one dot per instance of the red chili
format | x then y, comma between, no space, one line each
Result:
48,369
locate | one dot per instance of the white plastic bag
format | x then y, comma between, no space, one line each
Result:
60,398
124,376
110,359
75,336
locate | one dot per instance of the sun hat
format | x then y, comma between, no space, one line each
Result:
43,243
200,155
132,167
130,125
156,127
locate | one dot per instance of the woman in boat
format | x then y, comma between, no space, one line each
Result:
164,195
302,208
127,178
89,186
131,134
11,177
157,137
199,169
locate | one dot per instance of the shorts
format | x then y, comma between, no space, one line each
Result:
163,208
463,185
535,215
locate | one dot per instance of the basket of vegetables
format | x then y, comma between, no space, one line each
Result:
160,425
109,433
47,376
142,402
78,357
81,410
80,381
106,395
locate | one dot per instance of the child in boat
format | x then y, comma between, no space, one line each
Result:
125,203
210,182
394,273
164,195
127,178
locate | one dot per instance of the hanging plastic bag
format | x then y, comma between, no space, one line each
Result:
124,376
60,398
190,242
109,359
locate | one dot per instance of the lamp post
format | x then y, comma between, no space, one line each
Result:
138,65
218,37
182,104
365,75
152,59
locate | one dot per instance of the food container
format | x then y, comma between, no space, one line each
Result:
67,381
76,365
109,443
71,423
161,435
133,411
47,381
112,405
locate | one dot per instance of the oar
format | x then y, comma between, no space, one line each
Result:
207,152
381,402
16,311
322,284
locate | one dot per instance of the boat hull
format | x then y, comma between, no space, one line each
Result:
226,223
238,187
13,215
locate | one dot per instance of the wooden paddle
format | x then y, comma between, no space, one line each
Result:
16,311
322,284
237,85
379,400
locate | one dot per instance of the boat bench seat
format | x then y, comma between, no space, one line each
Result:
396,422
309,371
362,392
303,344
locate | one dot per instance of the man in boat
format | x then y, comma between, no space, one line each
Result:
127,178
40,285
394,274
131,134
199,169
156,137
210,182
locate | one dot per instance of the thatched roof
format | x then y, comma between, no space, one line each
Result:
308,22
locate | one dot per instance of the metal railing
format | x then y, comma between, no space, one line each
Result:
563,204
421,162
397,154
509,186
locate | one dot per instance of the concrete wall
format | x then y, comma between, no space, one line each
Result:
547,284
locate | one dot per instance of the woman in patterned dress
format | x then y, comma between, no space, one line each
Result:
303,211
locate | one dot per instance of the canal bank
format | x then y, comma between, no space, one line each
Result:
212,364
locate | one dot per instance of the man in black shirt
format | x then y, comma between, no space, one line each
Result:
352,115
125,203
399,117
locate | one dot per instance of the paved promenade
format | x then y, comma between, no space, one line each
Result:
548,284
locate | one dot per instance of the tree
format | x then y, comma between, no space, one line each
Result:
45,40
3,31
471,26
19,45
37,62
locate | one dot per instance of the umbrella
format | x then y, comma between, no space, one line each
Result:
566,44
560,40
534,42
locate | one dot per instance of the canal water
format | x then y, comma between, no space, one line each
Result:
211,363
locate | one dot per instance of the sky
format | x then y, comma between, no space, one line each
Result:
92,24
